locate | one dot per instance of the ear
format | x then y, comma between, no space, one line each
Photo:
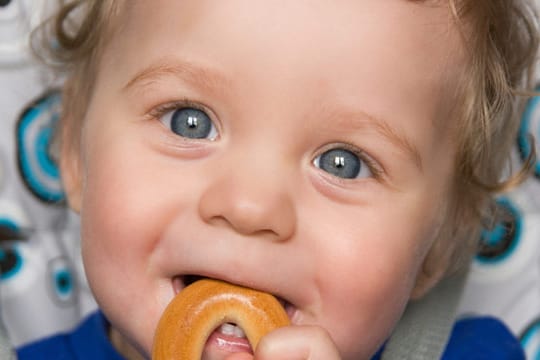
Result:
452,250
70,166
435,266
429,275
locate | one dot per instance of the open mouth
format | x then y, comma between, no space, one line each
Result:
228,336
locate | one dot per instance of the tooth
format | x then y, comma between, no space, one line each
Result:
227,329
238,332
232,330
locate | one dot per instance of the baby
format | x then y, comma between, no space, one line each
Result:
340,155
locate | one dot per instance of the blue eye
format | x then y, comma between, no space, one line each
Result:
190,123
342,163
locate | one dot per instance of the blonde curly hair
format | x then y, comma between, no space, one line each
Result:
501,41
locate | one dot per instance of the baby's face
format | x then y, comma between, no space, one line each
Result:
296,147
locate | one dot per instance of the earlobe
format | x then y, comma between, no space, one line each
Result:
70,172
427,278
434,268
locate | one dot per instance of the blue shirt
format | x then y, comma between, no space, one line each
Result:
89,341
471,338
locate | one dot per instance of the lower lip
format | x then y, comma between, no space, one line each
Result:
219,345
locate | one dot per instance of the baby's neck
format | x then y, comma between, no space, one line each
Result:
123,347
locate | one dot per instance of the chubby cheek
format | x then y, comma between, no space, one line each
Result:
370,302
113,217
120,229
124,205
365,289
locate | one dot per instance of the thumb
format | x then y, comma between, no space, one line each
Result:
298,343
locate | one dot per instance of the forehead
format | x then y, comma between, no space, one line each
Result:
379,51
368,53
388,26
388,38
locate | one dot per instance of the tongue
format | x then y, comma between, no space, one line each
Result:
225,340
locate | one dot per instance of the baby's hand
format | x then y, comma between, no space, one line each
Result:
294,343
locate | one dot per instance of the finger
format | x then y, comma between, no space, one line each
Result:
297,343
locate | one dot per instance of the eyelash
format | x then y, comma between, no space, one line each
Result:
376,169
163,109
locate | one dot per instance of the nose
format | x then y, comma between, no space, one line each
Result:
250,204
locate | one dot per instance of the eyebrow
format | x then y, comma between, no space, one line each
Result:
211,80
204,78
360,120
400,140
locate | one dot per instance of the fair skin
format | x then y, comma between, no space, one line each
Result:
282,85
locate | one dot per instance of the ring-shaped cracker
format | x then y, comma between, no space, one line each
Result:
203,306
